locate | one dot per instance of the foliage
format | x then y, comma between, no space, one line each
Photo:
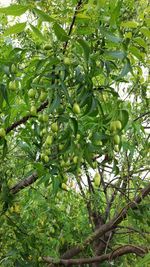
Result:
74,131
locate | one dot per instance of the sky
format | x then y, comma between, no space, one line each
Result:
5,2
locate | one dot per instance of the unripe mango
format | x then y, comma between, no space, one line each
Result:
116,139
49,140
33,110
54,127
12,85
97,179
76,108
32,93
116,148
118,125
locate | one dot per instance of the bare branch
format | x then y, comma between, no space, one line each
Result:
112,224
25,118
24,183
120,251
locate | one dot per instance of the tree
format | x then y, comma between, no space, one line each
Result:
74,133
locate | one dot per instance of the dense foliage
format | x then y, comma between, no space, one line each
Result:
74,133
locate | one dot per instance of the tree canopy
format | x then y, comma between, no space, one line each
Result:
74,133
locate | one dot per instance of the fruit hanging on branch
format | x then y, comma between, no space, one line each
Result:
32,93
12,86
54,127
76,108
97,179
116,139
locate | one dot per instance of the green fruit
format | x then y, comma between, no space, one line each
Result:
78,137
47,47
61,147
94,165
40,117
2,132
64,186
97,179
62,163
112,126
45,118
116,148
117,139
118,125
12,85
13,69
47,152
32,93
46,158
98,142
44,131
76,108
54,127
43,96
75,160
49,140
42,156
33,110
67,60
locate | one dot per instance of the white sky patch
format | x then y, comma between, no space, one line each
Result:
5,2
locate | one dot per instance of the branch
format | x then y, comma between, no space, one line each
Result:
118,218
72,23
24,183
142,115
25,118
120,251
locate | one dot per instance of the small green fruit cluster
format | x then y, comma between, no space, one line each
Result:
115,125
46,148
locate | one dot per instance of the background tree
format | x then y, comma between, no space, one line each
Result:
74,133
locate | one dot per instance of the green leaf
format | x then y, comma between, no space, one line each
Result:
17,28
123,116
3,91
116,54
145,31
136,52
43,16
126,69
14,10
129,24
140,42
37,32
85,47
60,33
75,125
145,260
111,37
5,148
56,102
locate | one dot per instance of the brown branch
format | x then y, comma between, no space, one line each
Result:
72,23
112,224
25,118
24,183
142,115
120,251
